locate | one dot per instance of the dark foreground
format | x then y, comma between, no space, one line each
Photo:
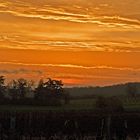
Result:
69,125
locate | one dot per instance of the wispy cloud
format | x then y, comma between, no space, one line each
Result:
17,42
20,71
50,12
62,26
109,30
110,22
82,75
71,66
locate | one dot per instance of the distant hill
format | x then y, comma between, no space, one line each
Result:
114,90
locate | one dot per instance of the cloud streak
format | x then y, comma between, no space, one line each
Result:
91,45
90,27
110,22
71,39
20,71
71,66
79,26
83,75
50,12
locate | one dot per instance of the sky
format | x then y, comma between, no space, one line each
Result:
81,42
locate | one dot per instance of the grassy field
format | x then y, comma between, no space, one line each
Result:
78,104
81,104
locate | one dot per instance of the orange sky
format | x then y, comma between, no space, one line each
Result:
81,42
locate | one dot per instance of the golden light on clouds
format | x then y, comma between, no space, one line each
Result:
81,42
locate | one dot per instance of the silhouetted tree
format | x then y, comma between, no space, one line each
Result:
30,88
18,88
22,86
2,86
30,85
55,86
39,91
50,91
13,89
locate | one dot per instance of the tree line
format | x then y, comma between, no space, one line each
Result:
22,91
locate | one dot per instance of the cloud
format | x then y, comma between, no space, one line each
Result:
20,71
45,25
67,66
17,42
110,22
70,14
83,75
109,30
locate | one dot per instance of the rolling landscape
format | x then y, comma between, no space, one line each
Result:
69,70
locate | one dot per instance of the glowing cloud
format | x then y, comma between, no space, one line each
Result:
98,41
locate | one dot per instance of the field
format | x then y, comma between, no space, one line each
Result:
75,104
80,104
